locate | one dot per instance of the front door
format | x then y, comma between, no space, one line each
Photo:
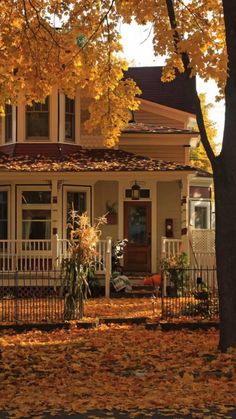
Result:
137,229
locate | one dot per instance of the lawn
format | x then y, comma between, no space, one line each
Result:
124,367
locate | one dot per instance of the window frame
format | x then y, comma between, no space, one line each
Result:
22,207
71,115
28,111
200,203
8,119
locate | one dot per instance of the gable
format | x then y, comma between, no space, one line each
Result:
175,94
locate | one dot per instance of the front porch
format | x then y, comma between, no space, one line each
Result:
47,255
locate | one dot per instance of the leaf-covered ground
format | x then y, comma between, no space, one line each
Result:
127,368
123,307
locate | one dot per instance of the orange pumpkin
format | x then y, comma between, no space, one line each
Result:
153,280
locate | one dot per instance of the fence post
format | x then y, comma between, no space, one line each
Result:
16,295
108,268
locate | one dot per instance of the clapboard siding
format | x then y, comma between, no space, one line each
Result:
168,206
158,152
152,118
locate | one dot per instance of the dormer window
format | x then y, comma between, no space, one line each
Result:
8,124
37,120
69,119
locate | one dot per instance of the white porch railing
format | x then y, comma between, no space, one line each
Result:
25,255
100,260
45,255
202,248
170,247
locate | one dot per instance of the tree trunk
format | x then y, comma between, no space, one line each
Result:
225,199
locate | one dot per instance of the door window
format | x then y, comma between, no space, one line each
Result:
137,224
76,201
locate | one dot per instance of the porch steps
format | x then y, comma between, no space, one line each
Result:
139,290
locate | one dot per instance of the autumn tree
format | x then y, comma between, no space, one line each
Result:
197,36
198,156
46,43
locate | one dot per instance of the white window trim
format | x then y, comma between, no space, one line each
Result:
74,188
20,206
200,203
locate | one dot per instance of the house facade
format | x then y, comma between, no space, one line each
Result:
49,165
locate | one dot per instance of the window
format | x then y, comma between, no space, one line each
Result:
69,119
200,214
3,215
75,201
36,215
37,120
8,123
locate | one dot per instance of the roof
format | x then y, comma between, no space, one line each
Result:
87,160
175,94
140,127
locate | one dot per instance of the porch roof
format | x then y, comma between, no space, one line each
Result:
87,160
140,127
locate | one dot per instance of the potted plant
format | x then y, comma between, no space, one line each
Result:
175,268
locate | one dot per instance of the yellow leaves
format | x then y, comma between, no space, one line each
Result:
187,378
85,50
127,368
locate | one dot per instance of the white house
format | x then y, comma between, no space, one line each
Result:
48,163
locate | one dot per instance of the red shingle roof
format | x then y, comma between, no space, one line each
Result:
87,160
175,94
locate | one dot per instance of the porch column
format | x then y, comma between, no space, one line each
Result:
54,223
185,215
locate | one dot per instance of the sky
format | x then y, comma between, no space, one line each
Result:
137,43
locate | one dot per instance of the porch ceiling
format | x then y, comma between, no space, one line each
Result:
88,160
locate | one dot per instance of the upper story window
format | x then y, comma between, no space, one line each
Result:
8,123
37,120
69,119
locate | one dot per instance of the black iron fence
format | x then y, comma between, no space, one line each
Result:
31,296
190,294
35,296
